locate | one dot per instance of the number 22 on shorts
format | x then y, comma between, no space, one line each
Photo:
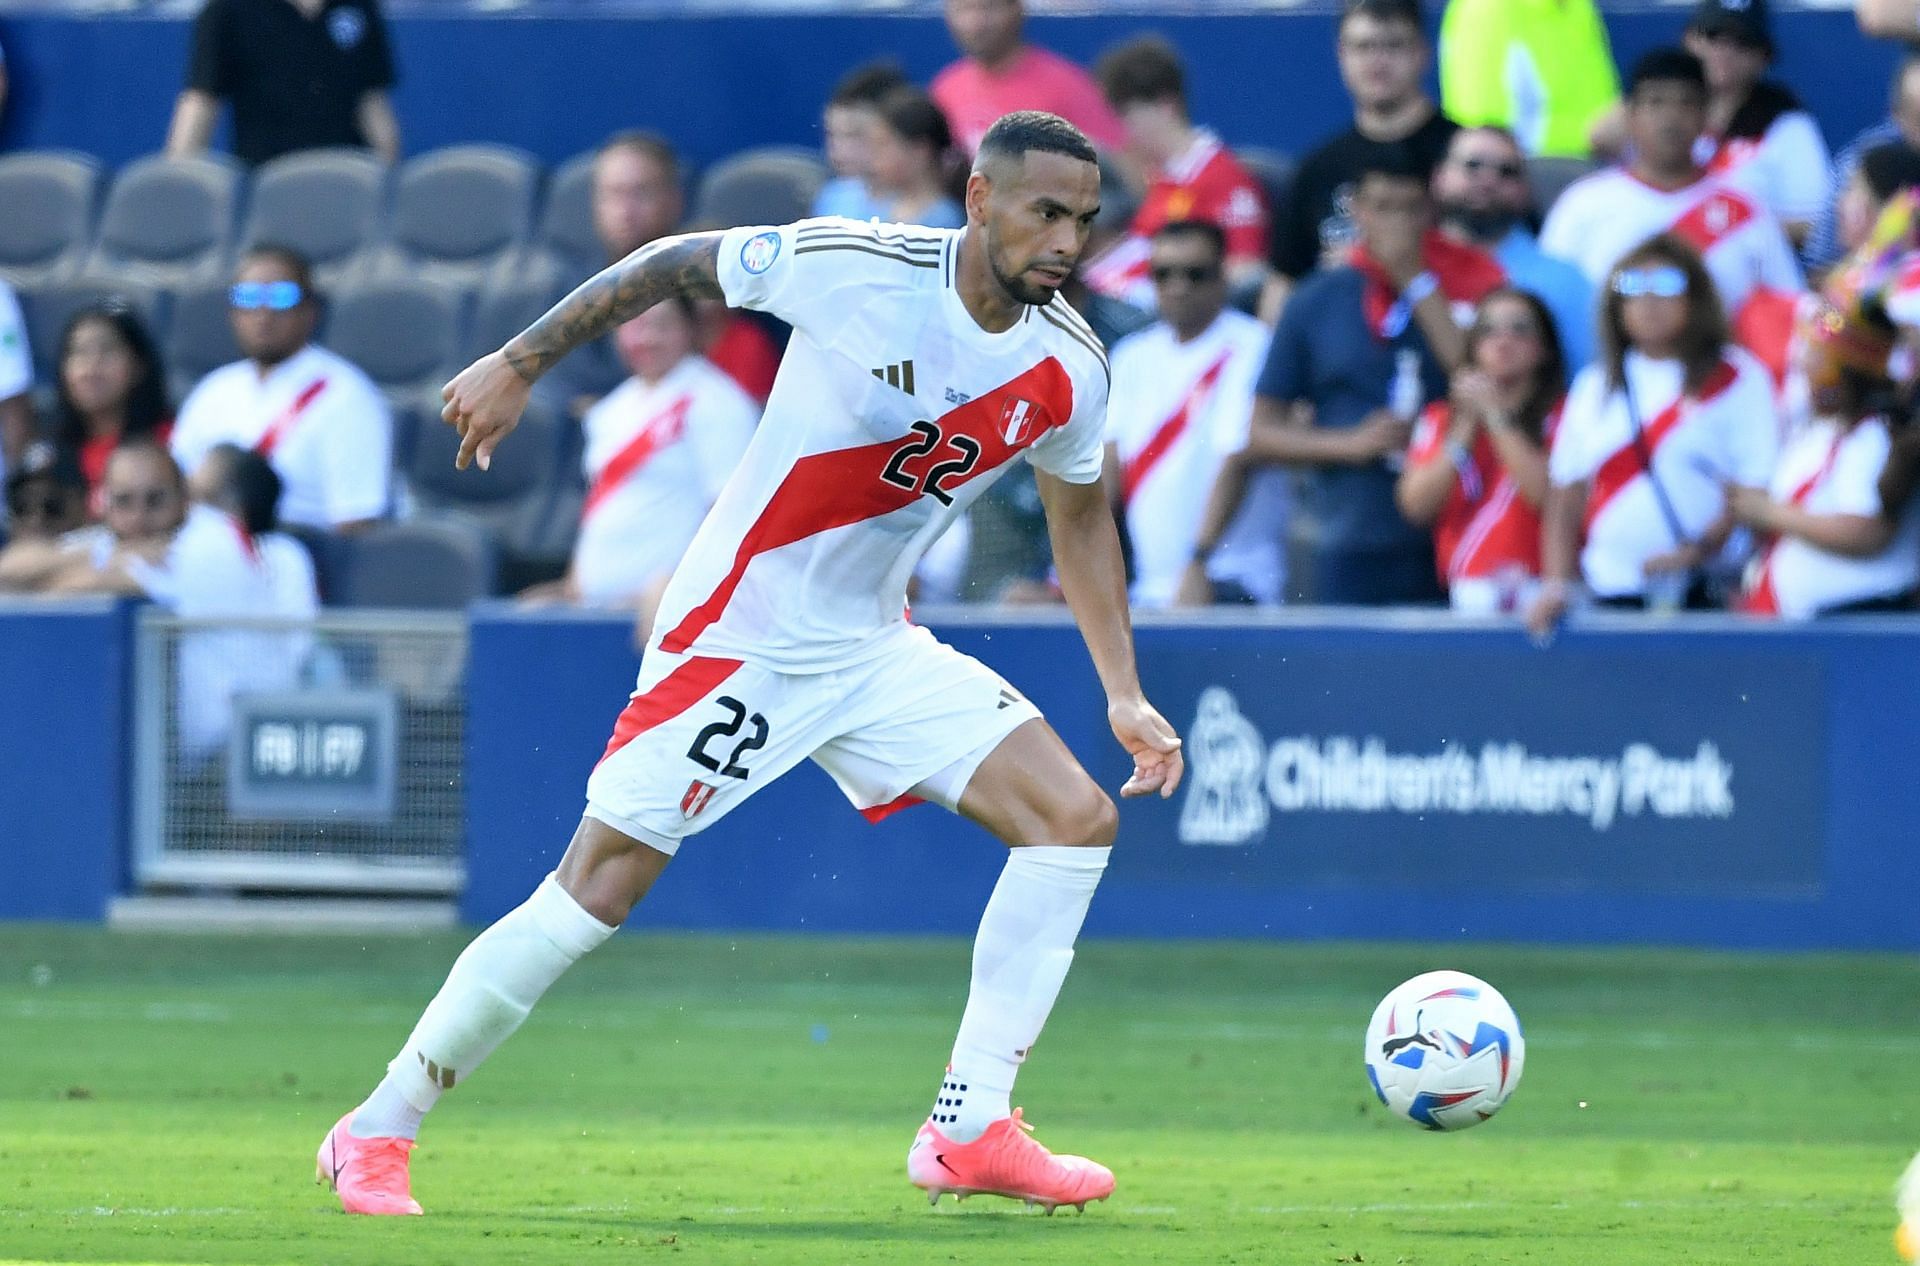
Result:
737,719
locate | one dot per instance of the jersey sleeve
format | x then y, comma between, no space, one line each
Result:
1572,460
802,272
210,66
1076,452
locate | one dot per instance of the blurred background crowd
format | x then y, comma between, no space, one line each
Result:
1568,333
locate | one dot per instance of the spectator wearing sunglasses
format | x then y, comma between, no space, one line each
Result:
321,422
143,501
1182,395
1484,200
112,387
1652,438
46,498
1758,134
1664,189
1477,471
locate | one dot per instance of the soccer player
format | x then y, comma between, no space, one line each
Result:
923,363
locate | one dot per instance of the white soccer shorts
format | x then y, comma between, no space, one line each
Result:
701,734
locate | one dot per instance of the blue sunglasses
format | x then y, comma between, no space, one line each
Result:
276,296
1663,282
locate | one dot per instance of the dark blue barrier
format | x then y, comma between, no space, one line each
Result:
105,83
1725,785
65,721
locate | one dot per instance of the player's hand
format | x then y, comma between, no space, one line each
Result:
484,403
1155,748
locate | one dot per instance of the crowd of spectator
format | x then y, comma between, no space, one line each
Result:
1404,370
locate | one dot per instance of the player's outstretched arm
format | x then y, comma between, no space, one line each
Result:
485,401
1086,553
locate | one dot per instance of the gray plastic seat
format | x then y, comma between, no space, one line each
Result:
438,563
519,499
404,333
460,213
566,229
508,305
773,185
169,222
1274,170
325,203
199,335
49,307
49,198
1548,178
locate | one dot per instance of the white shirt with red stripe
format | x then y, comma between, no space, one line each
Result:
319,420
1205,183
1602,217
1787,168
657,455
1727,434
1827,470
1178,410
892,412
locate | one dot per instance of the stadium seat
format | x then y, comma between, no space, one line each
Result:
1548,178
443,562
1274,170
566,217
460,213
404,333
199,335
49,307
508,305
325,203
773,185
49,198
518,500
169,222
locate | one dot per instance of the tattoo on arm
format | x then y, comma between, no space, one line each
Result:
685,264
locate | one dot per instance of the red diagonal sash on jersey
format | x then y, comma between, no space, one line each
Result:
828,490
1141,465
1712,218
1761,598
1627,463
668,698
278,428
661,430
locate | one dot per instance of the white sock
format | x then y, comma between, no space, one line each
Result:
1020,959
493,985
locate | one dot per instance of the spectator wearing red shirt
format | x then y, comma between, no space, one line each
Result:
1477,471
112,387
1001,73
1191,175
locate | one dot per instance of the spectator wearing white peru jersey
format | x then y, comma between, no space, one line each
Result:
659,448
321,422
1835,546
1664,190
1652,436
1181,401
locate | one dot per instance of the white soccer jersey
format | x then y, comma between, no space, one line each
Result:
1827,471
315,416
1787,167
1602,217
657,455
1179,409
892,412
1724,433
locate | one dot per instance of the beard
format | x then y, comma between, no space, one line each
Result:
1014,283
1488,225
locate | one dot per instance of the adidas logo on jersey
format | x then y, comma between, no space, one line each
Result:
900,375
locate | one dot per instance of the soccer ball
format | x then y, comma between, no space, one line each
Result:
1444,1050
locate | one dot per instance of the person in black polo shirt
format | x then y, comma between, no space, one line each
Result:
300,74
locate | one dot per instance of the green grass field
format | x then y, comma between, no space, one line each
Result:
714,1099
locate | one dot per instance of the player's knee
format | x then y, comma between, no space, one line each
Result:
1083,815
607,871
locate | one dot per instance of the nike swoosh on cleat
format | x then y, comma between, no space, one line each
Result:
333,1155
943,1164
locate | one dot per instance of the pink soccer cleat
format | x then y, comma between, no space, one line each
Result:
369,1175
1004,1162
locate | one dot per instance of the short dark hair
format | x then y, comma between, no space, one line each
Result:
1704,338
1407,11
297,265
1206,230
1397,161
868,84
1146,69
912,115
648,145
249,486
1667,65
1888,169
1029,131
